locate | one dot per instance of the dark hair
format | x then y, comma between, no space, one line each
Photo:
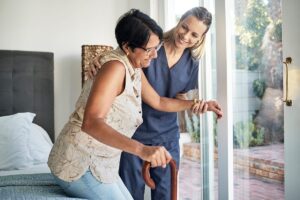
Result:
135,27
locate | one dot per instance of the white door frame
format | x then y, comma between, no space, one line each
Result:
224,97
291,41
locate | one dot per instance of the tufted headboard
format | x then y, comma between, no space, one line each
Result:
26,85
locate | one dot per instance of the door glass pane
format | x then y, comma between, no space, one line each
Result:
190,178
257,93
211,93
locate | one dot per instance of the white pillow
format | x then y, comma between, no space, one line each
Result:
14,135
39,144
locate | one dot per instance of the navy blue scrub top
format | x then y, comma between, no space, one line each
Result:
159,127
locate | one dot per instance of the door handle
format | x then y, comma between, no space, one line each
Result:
287,101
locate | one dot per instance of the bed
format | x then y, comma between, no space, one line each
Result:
26,125
27,122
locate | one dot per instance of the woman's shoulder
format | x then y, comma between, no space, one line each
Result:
189,57
113,55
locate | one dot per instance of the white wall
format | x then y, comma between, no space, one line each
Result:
61,27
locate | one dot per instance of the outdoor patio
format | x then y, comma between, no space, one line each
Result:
260,176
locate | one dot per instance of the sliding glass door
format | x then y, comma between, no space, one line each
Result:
252,151
196,173
240,156
258,131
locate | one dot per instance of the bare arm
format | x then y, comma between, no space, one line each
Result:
198,108
109,83
204,106
182,96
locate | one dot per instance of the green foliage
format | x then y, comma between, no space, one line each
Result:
258,137
215,130
255,23
276,31
246,134
259,87
250,32
252,29
193,126
242,134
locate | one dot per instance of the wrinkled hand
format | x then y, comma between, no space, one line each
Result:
204,106
156,155
93,68
215,107
200,107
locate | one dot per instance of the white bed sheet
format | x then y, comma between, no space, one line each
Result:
36,169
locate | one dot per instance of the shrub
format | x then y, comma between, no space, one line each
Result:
259,87
193,126
246,134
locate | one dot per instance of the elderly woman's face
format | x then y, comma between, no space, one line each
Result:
141,57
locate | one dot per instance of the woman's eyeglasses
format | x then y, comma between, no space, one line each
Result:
151,49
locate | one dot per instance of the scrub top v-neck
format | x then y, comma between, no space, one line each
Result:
157,126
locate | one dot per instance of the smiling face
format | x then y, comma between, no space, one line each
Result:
140,57
188,32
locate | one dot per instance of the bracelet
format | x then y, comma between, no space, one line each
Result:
197,101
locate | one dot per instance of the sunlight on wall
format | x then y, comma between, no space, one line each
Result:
175,9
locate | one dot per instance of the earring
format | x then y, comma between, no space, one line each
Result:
127,53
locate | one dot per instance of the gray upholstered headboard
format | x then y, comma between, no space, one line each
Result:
26,85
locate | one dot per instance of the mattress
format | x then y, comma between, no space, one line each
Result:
32,183
35,169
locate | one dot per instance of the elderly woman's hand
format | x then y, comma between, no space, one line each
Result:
199,106
156,155
215,107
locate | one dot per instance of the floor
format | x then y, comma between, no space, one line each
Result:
246,186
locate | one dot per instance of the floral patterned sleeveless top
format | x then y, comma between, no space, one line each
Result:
74,151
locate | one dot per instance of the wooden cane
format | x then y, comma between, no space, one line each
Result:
149,181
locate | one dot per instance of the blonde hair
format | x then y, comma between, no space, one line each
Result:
203,15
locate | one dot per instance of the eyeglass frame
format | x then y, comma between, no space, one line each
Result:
149,50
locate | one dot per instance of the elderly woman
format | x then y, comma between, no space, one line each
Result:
173,73
85,157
